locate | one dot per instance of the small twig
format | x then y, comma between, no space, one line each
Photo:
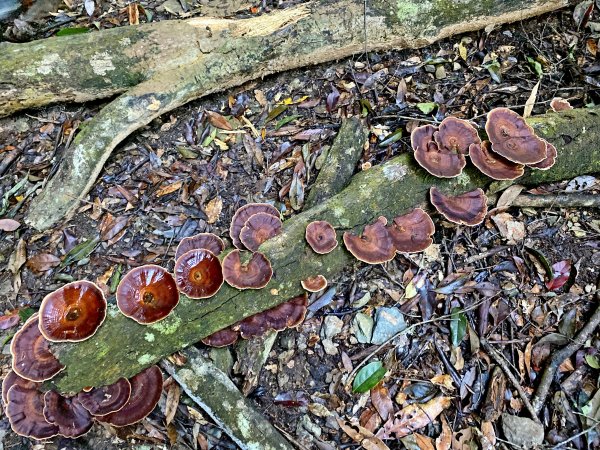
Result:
561,445
483,255
8,159
565,200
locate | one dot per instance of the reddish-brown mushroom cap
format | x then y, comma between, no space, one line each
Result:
242,215
467,209
412,232
106,399
456,135
25,411
259,228
374,245
560,104
206,241
513,138
492,164
68,414
550,159
11,379
314,284
31,356
421,137
198,274
222,338
147,294
440,162
146,388
321,237
285,315
72,313
253,274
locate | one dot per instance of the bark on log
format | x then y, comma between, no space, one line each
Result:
162,66
389,189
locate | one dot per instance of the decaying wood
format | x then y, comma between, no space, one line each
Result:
389,189
158,67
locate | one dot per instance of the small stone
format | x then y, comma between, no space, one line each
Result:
521,431
329,347
362,327
430,68
388,322
332,326
440,72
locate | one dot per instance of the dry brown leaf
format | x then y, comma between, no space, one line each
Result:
9,225
444,440
218,121
510,229
488,440
172,402
531,100
253,150
111,227
18,257
380,397
444,380
133,13
509,196
42,262
414,417
213,209
169,188
362,436
418,441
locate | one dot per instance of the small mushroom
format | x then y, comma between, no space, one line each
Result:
550,159
11,379
421,137
146,388
252,274
321,237
374,245
412,232
25,412
280,317
467,209
222,338
198,274
72,313
259,228
456,135
68,414
147,294
106,399
242,215
31,356
314,284
206,241
513,138
560,104
492,164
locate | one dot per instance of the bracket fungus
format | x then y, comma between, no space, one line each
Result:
12,379
466,209
31,355
206,241
255,273
421,137
242,215
222,338
374,245
412,232
549,160
25,412
560,104
314,284
104,400
321,237
198,274
72,313
438,161
147,294
280,317
456,135
259,228
513,138
492,164
146,388
68,414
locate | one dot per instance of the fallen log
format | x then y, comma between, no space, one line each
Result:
389,189
159,67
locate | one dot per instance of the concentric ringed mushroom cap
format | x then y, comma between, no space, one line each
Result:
206,241
31,355
421,137
198,274
259,228
147,294
25,411
492,164
11,379
72,313
314,284
412,232
374,245
513,138
253,274
280,317
456,135
146,388
466,209
222,338
242,215
106,399
440,162
550,159
67,413
321,237
560,104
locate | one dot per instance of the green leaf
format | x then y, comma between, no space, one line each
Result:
366,107
592,361
542,259
72,30
26,313
80,252
368,377
458,326
276,111
286,120
390,139
426,108
494,70
115,278
537,67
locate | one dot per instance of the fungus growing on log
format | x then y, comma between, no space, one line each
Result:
242,215
147,294
560,104
106,399
421,137
412,232
314,284
466,209
68,414
280,317
72,313
31,355
25,412
252,274
12,379
374,245
222,338
492,164
513,138
206,241
456,135
549,160
146,388
198,274
321,237
259,228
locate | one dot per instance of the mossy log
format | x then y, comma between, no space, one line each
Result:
123,347
158,67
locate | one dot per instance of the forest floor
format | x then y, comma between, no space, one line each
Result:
183,175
